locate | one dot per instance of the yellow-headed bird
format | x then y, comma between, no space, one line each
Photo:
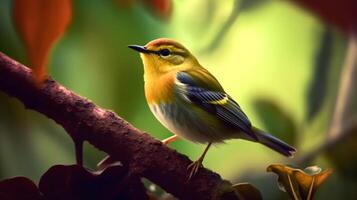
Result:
190,102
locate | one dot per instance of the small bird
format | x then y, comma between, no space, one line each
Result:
189,101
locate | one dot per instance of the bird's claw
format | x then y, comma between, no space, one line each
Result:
194,168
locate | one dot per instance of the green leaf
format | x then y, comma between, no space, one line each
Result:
342,154
317,91
276,120
248,191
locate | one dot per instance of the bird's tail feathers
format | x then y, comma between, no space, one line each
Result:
274,143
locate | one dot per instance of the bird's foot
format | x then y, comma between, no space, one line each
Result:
194,168
169,140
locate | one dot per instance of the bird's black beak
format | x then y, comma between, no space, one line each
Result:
139,48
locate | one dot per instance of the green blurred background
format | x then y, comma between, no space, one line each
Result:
276,59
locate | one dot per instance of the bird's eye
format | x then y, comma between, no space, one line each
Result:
164,52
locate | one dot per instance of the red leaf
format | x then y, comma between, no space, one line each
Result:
19,188
161,8
40,24
75,182
342,13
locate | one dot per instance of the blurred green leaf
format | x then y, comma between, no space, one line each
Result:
248,191
17,150
276,120
162,9
238,7
241,191
342,153
318,86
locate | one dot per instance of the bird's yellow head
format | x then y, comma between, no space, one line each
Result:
164,55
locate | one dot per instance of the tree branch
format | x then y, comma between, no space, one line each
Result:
344,120
346,90
83,120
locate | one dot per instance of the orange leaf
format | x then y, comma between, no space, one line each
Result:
299,184
40,24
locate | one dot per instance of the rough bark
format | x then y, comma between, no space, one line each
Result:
83,120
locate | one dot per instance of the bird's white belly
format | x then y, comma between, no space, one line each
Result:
184,123
160,116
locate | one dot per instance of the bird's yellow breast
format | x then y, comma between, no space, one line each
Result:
159,89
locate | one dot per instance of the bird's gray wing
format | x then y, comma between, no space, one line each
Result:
216,103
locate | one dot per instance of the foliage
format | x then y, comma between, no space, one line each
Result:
85,43
297,183
74,182
41,23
